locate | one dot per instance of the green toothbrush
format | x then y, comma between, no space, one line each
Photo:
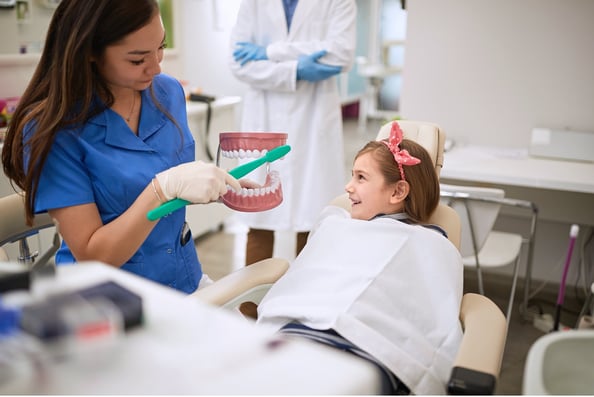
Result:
237,172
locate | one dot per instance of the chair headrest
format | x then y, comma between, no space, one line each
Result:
428,135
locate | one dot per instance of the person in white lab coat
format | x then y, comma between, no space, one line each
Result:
379,282
289,53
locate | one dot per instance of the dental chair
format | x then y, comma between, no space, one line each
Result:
478,361
482,246
14,229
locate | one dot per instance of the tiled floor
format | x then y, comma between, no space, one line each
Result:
223,251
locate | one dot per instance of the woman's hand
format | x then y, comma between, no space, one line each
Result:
196,182
249,184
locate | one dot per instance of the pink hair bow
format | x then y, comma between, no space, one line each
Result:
402,157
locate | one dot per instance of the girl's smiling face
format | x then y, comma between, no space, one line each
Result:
368,191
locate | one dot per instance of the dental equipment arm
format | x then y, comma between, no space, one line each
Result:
238,172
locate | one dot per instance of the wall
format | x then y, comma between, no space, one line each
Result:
15,72
17,69
207,44
393,27
18,30
488,72
206,28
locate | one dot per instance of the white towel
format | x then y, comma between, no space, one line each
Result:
390,288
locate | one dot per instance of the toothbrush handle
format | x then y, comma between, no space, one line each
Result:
244,169
166,208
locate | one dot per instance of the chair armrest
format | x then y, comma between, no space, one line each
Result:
13,226
248,284
478,362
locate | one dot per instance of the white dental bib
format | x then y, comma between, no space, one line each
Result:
390,288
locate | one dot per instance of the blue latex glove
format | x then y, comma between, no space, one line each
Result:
245,52
309,69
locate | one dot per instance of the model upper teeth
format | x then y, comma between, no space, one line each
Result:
242,154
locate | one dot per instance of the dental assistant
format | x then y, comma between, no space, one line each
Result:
289,53
100,137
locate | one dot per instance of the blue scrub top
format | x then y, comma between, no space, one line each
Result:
105,163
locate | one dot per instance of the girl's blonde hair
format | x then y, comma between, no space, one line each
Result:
423,196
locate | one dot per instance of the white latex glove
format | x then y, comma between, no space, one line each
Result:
196,182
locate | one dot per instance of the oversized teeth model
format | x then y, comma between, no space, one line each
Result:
264,198
246,145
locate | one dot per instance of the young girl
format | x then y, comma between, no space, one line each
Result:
100,137
379,282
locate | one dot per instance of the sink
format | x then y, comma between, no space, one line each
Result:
561,363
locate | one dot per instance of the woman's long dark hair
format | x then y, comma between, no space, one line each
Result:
66,79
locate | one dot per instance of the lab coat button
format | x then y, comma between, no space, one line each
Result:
169,250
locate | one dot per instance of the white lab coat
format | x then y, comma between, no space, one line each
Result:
390,288
312,174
